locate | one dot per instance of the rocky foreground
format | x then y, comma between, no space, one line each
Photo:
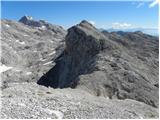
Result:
103,74
29,100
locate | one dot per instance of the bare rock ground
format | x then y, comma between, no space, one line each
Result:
29,100
29,51
127,62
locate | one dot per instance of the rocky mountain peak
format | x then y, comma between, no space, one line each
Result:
83,37
102,64
82,44
28,20
88,29
25,19
108,64
112,65
42,24
85,23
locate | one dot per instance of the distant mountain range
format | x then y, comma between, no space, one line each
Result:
150,31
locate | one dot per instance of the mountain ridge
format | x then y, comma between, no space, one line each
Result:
149,31
104,70
85,45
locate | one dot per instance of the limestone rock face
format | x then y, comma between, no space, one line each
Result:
27,51
114,65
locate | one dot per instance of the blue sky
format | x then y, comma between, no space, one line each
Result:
104,14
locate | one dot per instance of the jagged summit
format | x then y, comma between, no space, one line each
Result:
28,20
25,19
41,24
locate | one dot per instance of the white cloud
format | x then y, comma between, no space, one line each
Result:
92,22
140,4
118,25
155,2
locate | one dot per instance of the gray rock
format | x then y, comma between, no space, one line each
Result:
41,24
28,50
107,64
102,67
29,100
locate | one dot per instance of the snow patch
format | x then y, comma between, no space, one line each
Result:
52,53
28,73
17,40
42,59
22,43
47,63
4,68
43,27
7,25
29,17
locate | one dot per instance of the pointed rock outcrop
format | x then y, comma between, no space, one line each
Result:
83,43
25,19
28,20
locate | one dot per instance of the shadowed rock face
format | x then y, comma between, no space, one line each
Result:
76,59
112,65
